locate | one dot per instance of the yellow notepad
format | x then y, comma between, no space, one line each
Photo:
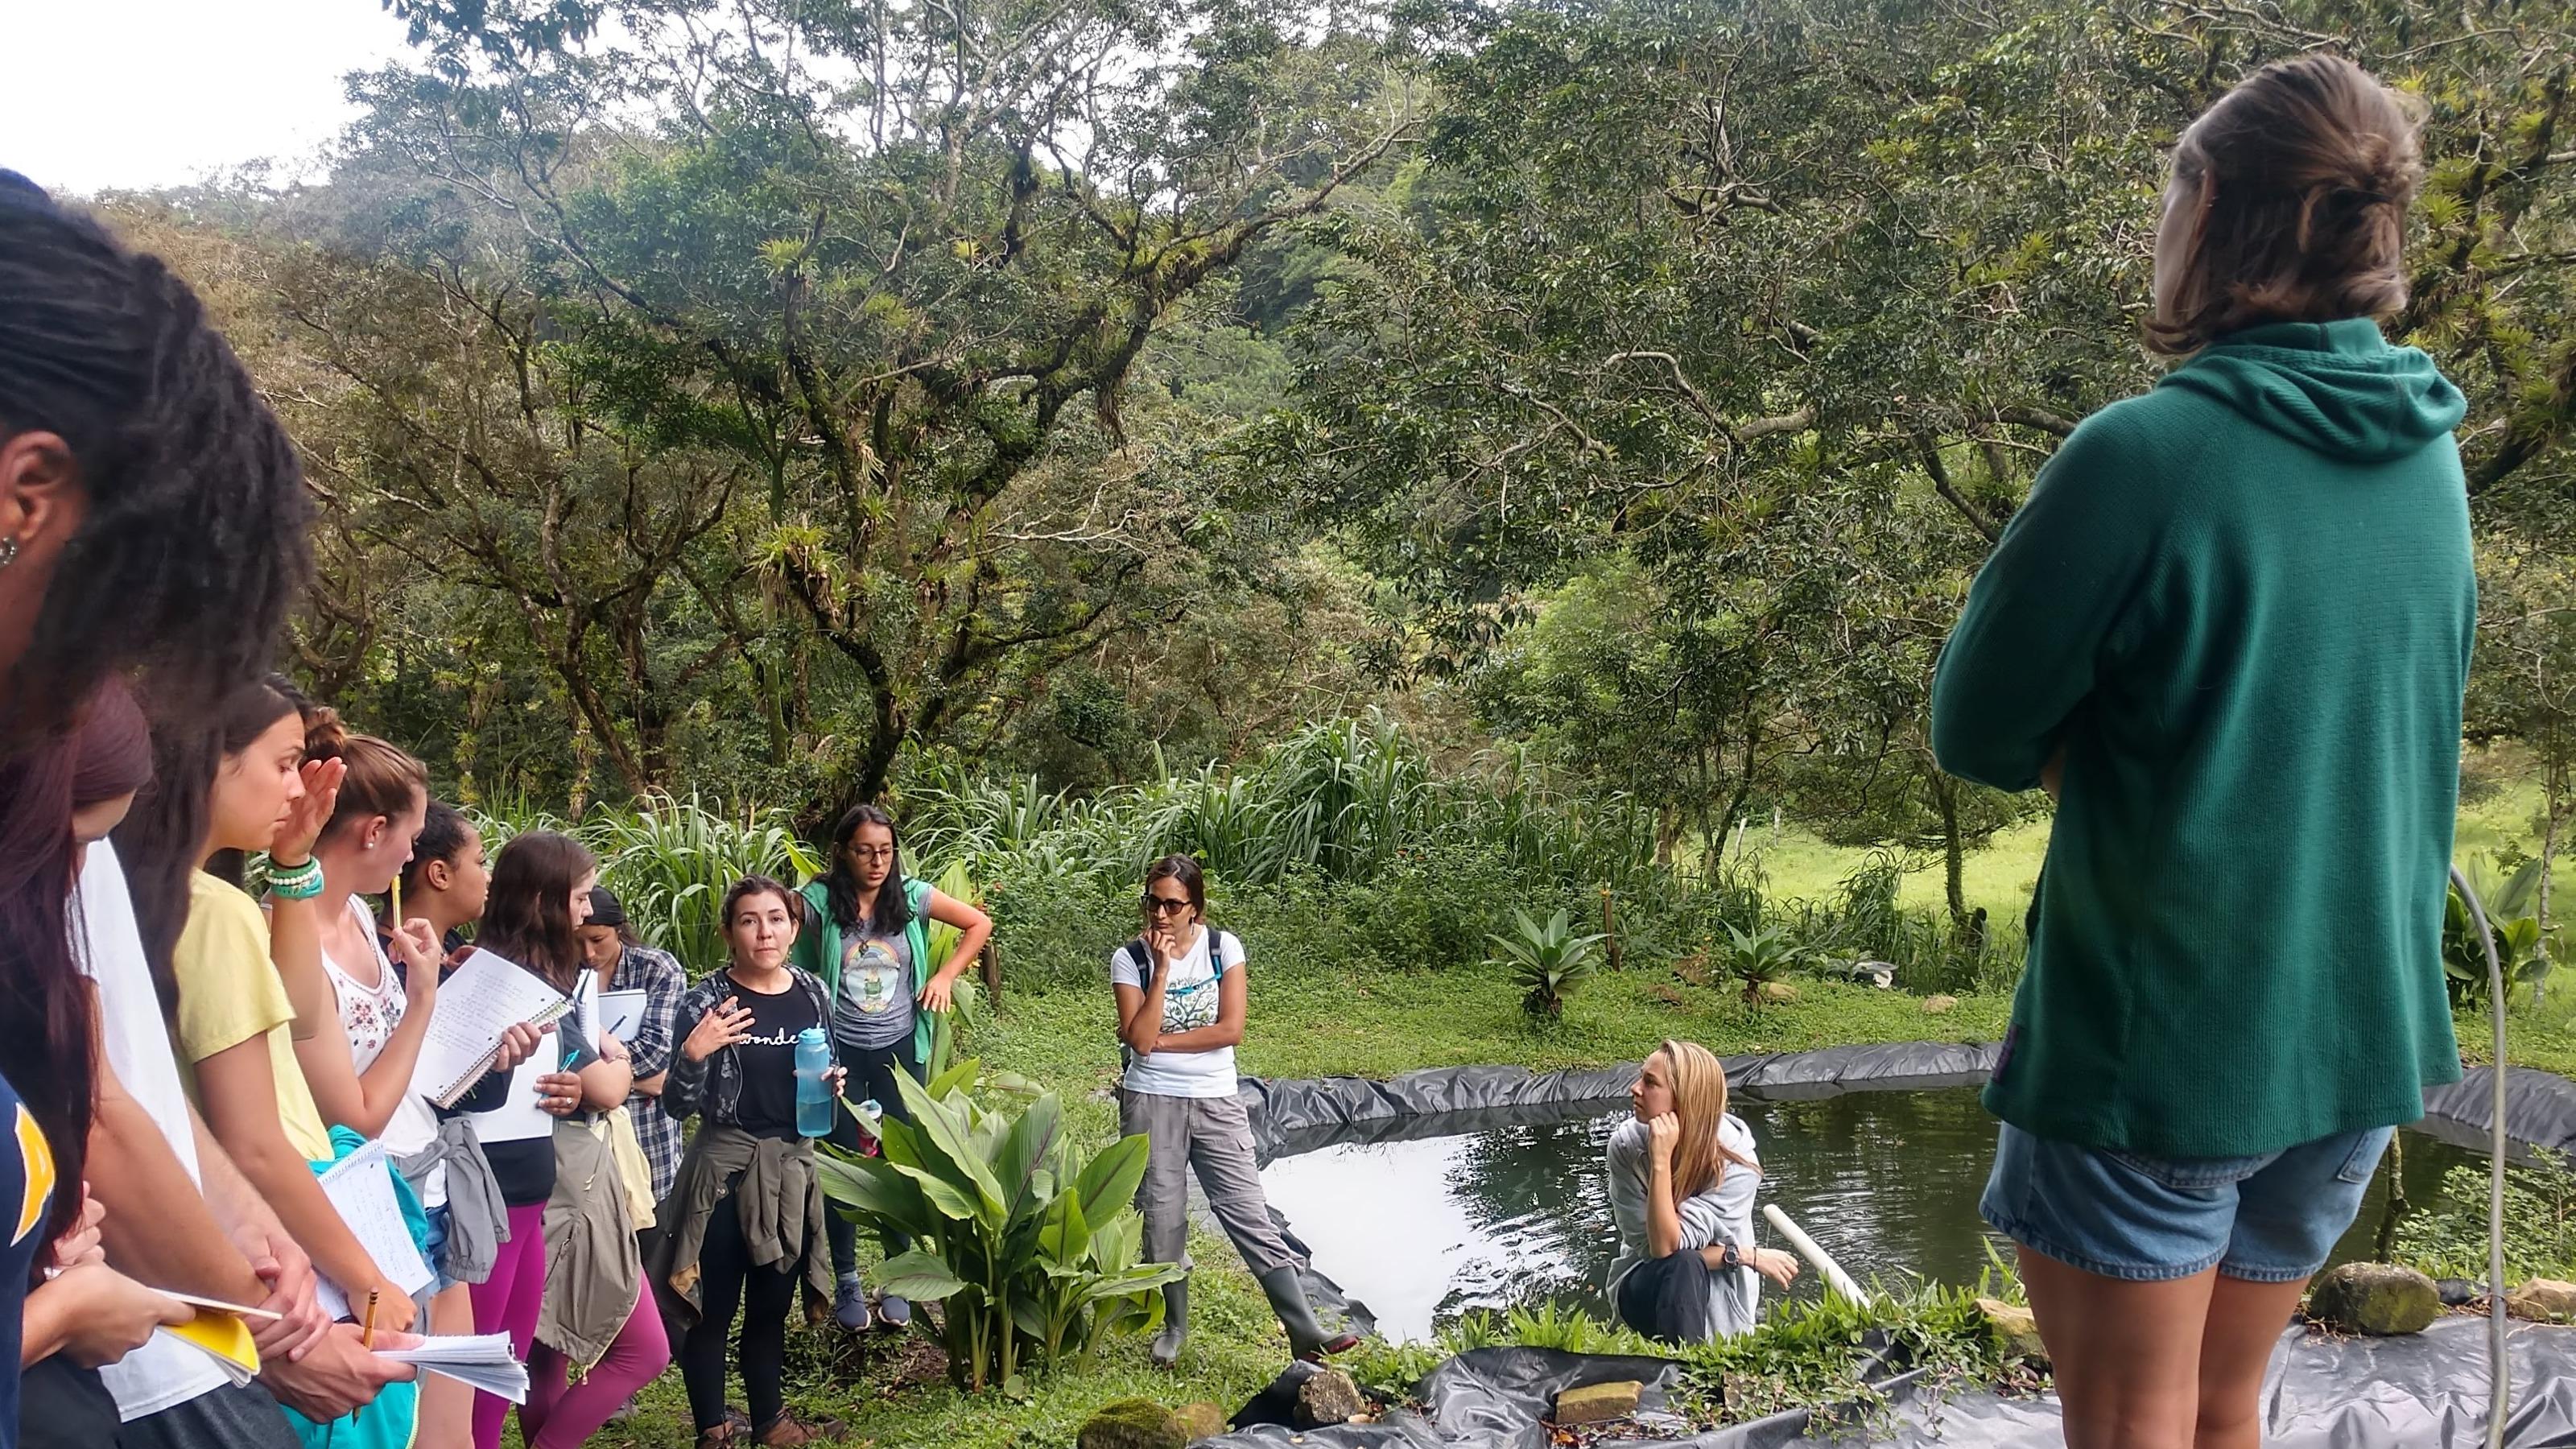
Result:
226,1338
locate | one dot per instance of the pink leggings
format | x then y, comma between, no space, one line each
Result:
508,1301
561,1416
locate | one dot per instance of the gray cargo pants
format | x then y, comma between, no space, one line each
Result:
1213,1135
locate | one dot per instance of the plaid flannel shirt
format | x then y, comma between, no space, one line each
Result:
659,977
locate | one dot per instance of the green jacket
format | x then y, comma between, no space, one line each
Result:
818,949
2243,605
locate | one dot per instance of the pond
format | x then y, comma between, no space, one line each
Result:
1434,1217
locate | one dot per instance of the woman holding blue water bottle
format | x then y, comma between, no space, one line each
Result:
754,1065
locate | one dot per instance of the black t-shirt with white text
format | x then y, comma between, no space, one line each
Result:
768,1057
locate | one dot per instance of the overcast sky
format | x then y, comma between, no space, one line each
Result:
137,93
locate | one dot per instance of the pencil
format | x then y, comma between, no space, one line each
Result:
366,1339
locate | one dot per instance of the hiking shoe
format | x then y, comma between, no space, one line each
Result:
850,1306
895,1314
790,1433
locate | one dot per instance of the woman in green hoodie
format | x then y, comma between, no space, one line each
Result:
866,937
2230,632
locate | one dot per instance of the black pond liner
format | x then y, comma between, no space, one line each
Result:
2323,1392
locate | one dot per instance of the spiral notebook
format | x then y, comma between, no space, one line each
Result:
486,997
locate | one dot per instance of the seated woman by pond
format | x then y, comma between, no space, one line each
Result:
1682,1176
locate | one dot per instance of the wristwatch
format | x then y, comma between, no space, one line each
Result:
1734,1257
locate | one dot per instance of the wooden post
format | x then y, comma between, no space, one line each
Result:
1610,926
991,962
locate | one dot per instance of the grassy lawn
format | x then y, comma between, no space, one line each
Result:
2501,806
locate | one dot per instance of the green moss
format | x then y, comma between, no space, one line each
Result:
1132,1424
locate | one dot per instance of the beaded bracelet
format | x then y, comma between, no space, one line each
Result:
296,883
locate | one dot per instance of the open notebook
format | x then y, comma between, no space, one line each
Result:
223,1338
480,1359
486,997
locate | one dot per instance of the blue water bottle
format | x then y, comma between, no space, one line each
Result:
813,1094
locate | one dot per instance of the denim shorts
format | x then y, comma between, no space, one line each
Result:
2271,1218
433,1250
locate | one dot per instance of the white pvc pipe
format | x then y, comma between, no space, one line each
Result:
1835,1277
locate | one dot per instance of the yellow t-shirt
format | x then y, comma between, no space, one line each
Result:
229,992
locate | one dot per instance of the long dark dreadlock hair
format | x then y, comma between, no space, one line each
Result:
191,548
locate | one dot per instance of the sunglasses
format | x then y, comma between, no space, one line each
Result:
1165,905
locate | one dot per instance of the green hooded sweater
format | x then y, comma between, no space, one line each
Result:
2242,604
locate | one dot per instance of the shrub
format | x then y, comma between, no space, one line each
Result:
669,861
2511,909
1760,957
1032,1249
2448,1237
1547,961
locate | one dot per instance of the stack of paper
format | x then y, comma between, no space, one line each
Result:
480,1359
361,1186
486,997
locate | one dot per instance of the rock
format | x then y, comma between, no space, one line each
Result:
1595,1403
2543,1300
2374,1298
1201,1420
1327,1398
1935,1005
2014,1328
1779,991
1132,1424
2457,1292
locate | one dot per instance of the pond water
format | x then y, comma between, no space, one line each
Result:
1434,1217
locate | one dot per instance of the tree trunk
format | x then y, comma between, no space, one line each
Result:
2553,806
1954,851
1610,926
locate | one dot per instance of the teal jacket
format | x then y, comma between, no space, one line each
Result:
818,949
2243,605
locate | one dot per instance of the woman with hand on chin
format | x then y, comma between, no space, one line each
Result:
748,1175
1181,1003
1682,1178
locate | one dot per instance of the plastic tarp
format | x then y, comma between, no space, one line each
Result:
1289,1117
2322,1392
2424,1391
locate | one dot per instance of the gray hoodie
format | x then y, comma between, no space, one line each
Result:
1719,1213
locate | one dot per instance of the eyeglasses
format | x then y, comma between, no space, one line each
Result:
871,852
1165,905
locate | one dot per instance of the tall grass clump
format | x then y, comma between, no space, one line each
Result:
1340,839
669,861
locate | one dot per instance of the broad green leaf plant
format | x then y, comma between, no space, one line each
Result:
1034,1250
1547,960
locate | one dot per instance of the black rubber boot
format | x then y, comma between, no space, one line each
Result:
1176,1324
1306,1337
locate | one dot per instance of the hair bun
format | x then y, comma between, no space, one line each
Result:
323,733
